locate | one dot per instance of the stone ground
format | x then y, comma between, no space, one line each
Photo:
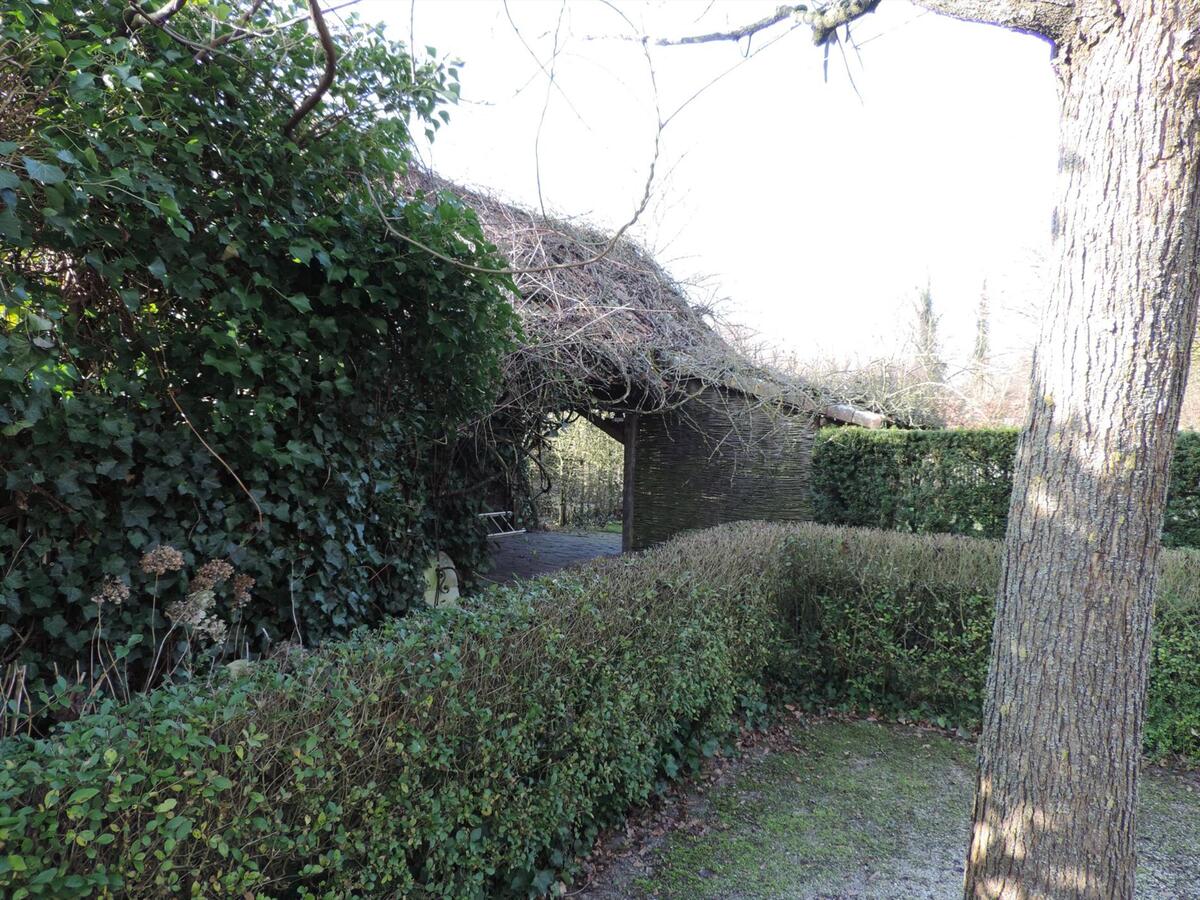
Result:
858,810
539,552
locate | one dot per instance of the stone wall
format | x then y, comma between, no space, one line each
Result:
720,458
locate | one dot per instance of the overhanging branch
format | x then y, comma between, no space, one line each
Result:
1050,19
824,19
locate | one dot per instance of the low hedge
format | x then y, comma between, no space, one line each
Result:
459,753
477,752
955,481
901,624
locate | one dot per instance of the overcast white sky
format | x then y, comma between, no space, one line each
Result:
816,214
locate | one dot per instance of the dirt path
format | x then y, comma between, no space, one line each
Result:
860,810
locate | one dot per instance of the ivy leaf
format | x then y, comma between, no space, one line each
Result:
10,225
301,303
158,268
44,173
302,251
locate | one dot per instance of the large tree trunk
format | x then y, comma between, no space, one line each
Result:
1061,744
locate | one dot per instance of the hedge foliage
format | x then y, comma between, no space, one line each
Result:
458,753
956,481
476,752
203,318
901,623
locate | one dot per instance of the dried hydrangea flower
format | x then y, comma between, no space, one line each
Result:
241,590
211,574
113,591
192,609
215,628
162,559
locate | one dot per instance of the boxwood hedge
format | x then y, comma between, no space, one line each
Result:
462,753
476,752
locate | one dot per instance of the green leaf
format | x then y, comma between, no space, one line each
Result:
83,795
300,302
10,225
167,805
168,205
44,173
7,147
16,863
8,179
158,268
302,251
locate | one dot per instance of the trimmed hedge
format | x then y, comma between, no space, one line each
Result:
462,753
476,752
901,624
956,481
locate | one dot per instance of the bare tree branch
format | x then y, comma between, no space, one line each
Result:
326,82
161,16
161,25
238,31
516,270
782,14
1050,19
824,20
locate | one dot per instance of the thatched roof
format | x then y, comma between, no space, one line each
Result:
612,335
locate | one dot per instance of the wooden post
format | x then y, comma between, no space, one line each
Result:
562,491
631,425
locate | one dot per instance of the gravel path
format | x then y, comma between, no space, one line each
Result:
540,552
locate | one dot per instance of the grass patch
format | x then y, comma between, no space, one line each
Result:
872,811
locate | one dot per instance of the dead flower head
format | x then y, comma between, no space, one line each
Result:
211,574
192,609
241,590
112,590
162,559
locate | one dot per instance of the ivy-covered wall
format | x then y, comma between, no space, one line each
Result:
722,457
212,339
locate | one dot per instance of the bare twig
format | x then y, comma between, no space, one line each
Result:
517,270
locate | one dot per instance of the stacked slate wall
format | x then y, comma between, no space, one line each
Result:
720,458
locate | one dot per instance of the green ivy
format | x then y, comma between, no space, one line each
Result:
955,481
209,338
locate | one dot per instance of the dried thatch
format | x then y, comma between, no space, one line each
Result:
610,336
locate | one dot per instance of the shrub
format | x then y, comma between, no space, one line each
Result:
476,752
956,481
901,624
459,753
209,336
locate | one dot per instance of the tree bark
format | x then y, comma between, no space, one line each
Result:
1061,745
